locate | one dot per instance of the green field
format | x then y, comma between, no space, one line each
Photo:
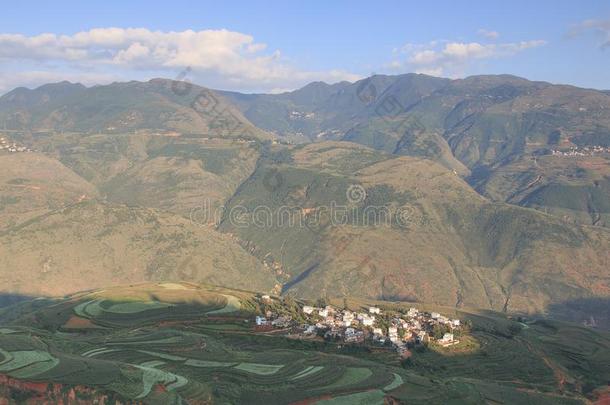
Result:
159,351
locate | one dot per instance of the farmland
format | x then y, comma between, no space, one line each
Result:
172,342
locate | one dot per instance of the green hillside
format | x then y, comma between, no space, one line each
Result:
480,126
157,105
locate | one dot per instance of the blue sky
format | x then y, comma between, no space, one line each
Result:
274,46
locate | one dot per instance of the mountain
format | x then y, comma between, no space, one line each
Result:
323,111
474,176
498,132
420,233
156,105
176,343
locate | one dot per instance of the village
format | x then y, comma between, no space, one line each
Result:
12,147
401,331
584,151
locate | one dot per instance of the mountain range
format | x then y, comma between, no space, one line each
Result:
496,190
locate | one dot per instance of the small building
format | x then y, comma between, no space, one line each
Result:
435,315
308,309
455,322
447,340
323,312
374,310
393,334
348,316
261,320
353,336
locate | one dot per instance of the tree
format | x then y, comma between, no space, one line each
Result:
406,363
438,331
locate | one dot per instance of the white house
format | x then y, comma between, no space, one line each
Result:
323,312
307,309
374,310
455,322
435,315
447,338
393,334
368,321
348,316
377,332
261,320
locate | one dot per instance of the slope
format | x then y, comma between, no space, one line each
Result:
156,105
92,244
408,229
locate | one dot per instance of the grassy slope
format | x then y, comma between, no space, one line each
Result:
93,244
171,173
31,184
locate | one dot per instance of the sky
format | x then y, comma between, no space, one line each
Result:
275,46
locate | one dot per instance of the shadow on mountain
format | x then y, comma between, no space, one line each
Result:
8,299
592,312
14,306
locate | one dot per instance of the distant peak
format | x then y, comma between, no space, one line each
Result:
61,85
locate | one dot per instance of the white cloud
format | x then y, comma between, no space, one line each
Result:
491,35
599,27
231,59
451,58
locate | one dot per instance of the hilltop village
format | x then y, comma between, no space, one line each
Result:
400,330
584,151
12,147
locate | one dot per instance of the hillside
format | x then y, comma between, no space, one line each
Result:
156,105
480,126
32,184
183,342
93,244
320,111
447,174
440,242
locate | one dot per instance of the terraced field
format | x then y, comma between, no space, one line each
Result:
153,345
